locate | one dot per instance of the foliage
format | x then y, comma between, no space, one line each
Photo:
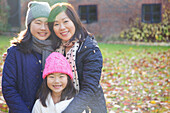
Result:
135,79
99,37
4,14
139,31
4,44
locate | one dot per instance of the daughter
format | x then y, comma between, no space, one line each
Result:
57,89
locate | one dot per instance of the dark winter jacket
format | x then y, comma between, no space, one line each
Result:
89,66
21,79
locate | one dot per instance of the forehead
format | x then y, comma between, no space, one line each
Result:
57,74
61,16
42,19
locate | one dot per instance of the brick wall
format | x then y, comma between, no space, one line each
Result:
113,15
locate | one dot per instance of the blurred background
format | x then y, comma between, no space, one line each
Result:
109,20
134,38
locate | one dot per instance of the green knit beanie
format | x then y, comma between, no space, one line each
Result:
36,10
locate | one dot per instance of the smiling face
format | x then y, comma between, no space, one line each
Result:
57,82
63,27
39,28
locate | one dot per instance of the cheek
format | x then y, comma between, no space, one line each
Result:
56,30
48,29
49,82
33,28
73,29
66,81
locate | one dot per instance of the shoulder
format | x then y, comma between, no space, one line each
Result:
90,41
37,106
12,49
37,103
89,44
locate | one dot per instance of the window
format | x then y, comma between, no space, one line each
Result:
88,13
151,13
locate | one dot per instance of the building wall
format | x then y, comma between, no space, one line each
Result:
113,15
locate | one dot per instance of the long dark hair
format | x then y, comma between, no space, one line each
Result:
24,41
71,13
67,93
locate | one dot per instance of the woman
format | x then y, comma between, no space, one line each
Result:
22,74
81,50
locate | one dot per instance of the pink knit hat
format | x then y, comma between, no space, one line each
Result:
57,63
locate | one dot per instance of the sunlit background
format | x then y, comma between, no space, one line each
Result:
133,36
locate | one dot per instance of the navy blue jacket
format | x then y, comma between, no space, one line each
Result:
89,66
21,79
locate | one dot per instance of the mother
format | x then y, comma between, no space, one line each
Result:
22,68
82,51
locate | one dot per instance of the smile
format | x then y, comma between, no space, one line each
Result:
42,34
64,33
57,86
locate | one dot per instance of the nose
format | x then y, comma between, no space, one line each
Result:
62,26
56,80
44,27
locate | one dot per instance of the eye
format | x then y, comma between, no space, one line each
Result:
50,76
65,21
38,23
55,24
62,76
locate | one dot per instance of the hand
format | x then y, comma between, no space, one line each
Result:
4,56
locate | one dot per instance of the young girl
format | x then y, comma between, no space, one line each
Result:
84,56
57,89
22,74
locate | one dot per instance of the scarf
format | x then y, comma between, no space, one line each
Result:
43,47
71,58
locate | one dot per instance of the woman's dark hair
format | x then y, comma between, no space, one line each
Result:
24,41
71,13
67,93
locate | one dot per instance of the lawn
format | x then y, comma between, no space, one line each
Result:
134,78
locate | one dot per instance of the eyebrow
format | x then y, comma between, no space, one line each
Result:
38,20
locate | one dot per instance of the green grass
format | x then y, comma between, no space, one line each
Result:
4,41
112,50
4,44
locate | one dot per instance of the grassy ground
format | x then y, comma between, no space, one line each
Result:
134,78
4,44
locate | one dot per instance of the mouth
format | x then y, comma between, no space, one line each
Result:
64,33
57,86
42,34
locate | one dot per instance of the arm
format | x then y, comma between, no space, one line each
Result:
9,84
92,66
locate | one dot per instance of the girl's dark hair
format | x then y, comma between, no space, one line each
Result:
24,41
67,93
71,13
